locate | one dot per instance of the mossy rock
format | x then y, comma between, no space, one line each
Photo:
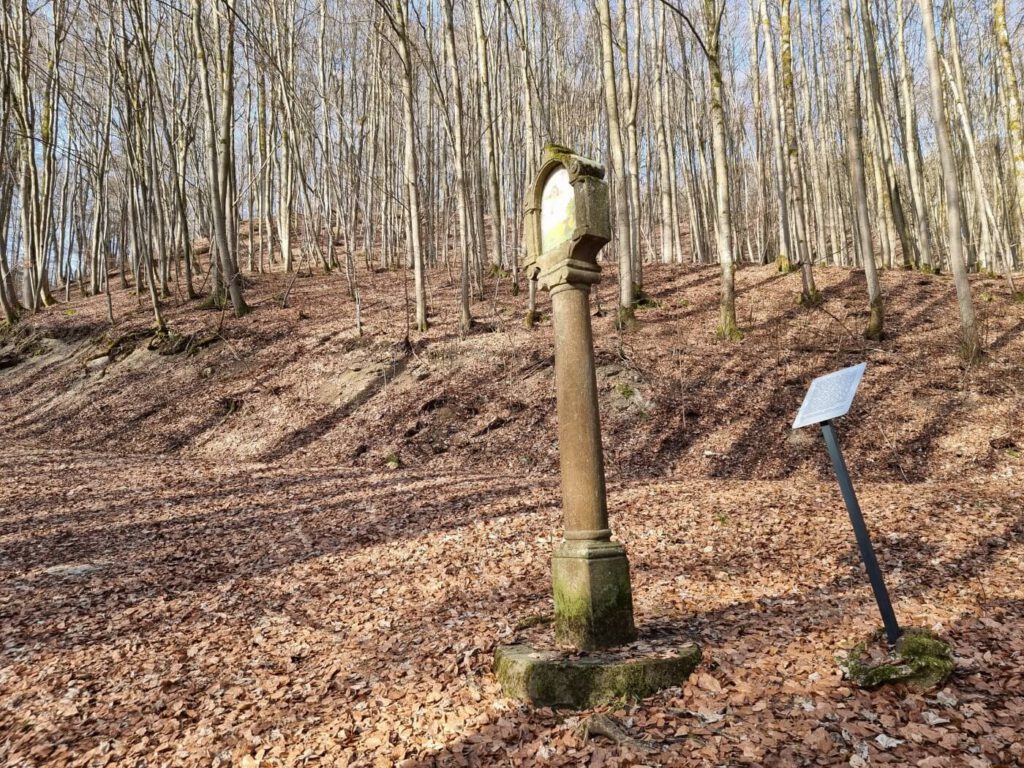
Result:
536,620
215,301
919,659
556,679
625,391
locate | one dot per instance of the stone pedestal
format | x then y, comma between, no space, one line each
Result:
593,598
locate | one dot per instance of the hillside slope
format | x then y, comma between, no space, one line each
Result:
297,384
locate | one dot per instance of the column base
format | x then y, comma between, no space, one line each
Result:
548,678
593,597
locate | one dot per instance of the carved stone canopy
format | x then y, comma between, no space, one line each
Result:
567,220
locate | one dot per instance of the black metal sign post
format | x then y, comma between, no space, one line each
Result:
860,530
830,397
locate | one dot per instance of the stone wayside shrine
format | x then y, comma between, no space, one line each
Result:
567,224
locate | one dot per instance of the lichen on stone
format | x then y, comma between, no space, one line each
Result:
919,659
560,679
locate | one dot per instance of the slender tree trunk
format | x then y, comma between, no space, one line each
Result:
631,100
913,145
970,342
218,138
891,193
665,175
809,294
727,327
399,15
785,254
620,180
461,187
1010,96
855,160
490,152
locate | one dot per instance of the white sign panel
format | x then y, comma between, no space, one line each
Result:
557,211
830,397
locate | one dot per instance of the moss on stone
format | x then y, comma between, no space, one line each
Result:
588,623
497,272
560,152
593,602
919,660
552,679
216,300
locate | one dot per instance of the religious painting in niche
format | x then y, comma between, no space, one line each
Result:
557,211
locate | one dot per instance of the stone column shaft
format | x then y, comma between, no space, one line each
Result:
579,425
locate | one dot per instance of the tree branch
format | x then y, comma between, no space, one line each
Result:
700,40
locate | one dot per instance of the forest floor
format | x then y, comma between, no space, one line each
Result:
275,542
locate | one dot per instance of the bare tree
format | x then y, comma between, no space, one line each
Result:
711,45
970,342
218,138
620,180
855,159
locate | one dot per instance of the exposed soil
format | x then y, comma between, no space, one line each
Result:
269,541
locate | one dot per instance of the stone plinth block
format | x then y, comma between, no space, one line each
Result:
593,598
561,679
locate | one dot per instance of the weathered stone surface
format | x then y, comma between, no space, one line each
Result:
919,660
567,224
554,679
573,259
593,597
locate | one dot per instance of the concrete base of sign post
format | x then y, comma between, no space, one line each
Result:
593,598
563,679
919,659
